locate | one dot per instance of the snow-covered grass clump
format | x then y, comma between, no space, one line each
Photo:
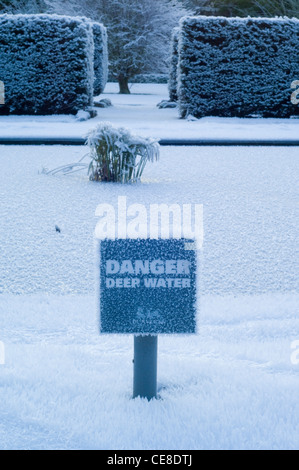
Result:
117,155
238,67
46,64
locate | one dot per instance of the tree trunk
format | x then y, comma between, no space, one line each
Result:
124,85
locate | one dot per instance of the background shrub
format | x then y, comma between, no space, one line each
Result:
172,83
100,58
238,67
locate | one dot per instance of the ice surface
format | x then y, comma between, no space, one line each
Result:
250,216
232,386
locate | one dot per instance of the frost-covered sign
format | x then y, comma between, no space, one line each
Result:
147,286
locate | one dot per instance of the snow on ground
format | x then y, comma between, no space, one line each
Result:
233,386
139,112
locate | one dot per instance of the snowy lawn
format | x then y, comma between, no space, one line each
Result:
139,112
233,386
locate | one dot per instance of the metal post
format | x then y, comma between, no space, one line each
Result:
145,366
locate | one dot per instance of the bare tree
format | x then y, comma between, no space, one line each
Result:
264,8
277,7
139,32
200,7
23,6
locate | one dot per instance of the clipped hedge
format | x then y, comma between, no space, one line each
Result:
237,67
172,83
100,58
46,64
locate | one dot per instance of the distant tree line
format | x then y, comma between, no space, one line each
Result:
230,8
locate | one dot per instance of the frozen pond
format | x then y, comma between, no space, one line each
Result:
250,199
232,386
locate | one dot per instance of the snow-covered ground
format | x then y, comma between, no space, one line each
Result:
139,112
232,386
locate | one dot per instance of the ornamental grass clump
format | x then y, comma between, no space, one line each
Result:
117,155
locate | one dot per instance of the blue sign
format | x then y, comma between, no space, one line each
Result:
147,286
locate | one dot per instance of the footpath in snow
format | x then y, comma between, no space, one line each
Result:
139,112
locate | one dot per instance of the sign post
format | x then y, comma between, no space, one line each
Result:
145,366
147,287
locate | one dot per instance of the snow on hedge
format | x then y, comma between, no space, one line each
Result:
238,67
172,84
46,64
100,58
